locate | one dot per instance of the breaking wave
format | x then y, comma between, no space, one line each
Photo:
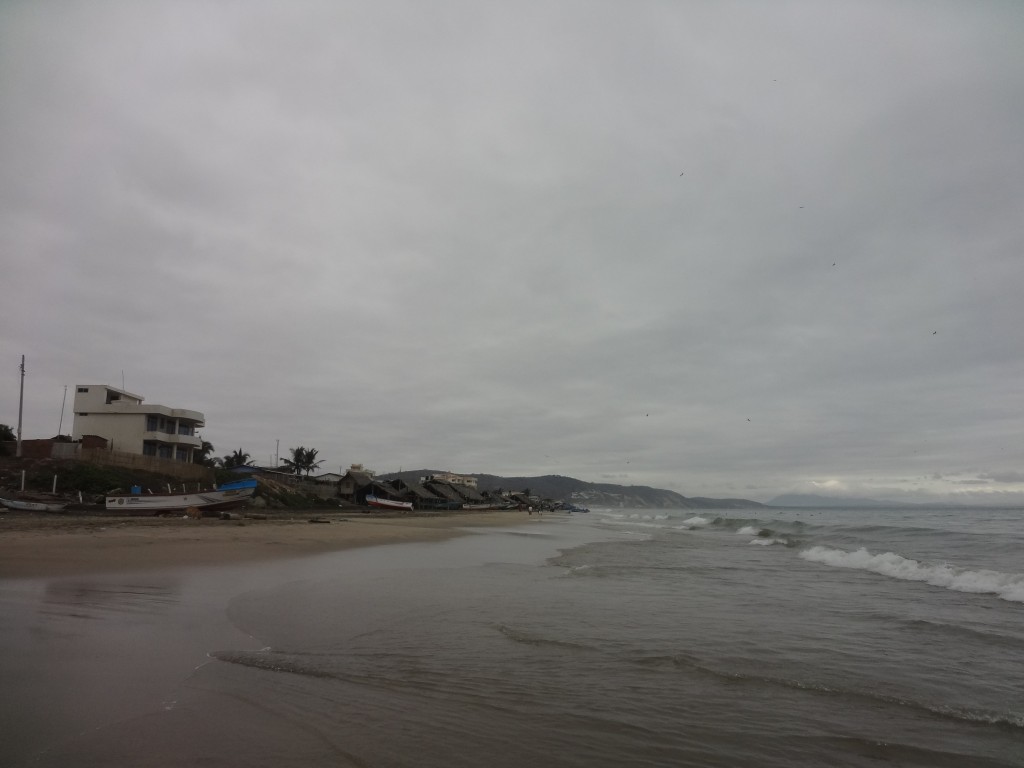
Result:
1008,586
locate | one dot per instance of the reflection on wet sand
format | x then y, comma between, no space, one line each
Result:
94,598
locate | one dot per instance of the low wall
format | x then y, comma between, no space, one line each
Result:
49,449
179,469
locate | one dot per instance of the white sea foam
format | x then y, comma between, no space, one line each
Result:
769,542
633,524
1008,586
696,521
645,516
748,530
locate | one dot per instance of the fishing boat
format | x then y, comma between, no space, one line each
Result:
381,503
22,505
226,496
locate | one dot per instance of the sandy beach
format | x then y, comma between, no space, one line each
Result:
33,546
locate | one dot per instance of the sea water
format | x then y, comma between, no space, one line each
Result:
768,637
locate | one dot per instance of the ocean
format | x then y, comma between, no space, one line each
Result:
767,637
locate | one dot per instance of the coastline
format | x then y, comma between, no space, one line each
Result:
45,546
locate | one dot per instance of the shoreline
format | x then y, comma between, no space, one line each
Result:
55,546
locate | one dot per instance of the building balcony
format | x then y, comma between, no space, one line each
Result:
167,438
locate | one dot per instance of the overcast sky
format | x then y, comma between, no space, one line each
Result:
726,248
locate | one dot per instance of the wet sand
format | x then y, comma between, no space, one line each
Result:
33,546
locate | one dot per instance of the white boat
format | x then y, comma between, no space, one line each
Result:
226,497
33,506
379,503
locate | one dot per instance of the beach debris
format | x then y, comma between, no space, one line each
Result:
319,520
194,513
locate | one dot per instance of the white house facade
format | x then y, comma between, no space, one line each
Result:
467,481
130,426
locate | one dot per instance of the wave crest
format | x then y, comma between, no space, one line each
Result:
1008,586
528,638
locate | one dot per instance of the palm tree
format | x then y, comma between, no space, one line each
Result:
202,456
302,460
237,458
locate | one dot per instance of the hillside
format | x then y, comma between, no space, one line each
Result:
570,489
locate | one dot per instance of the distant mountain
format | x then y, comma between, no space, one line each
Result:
587,494
814,500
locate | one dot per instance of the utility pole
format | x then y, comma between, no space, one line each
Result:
21,402
62,404
277,453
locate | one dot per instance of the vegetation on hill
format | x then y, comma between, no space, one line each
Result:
569,489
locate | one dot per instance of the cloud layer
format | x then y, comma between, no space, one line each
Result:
729,249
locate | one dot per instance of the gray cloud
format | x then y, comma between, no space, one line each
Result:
456,236
1003,477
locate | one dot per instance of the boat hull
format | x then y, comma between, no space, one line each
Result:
379,503
155,503
32,506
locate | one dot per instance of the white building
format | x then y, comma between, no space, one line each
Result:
467,481
130,426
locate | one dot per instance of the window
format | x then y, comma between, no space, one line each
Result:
83,389
151,423
149,449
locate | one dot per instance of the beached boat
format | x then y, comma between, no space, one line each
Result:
380,503
226,496
23,505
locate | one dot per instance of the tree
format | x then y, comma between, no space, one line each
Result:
302,460
6,436
237,458
202,456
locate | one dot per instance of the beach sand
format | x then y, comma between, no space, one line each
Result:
33,546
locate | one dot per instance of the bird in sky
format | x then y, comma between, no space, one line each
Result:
934,332
682,173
